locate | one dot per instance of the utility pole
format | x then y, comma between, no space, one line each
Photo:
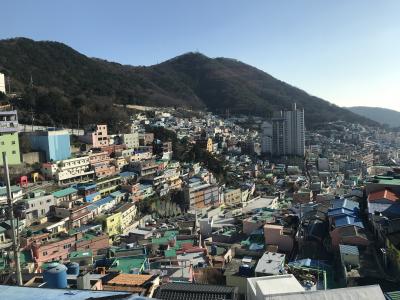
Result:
11,218
9,84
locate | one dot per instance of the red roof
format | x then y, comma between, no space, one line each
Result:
383,194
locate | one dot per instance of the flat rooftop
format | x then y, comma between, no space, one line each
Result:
272,285
21,293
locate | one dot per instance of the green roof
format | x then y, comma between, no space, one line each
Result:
161,241
126,264
170,253
14,189
64,192
171,233
387,180
25,257
87,237
81,254
393,295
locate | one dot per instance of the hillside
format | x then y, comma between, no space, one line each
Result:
381,115
65,82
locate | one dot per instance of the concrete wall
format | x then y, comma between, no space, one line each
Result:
32,157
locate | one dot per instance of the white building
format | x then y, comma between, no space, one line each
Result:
2,83
261,288
288,133
69,170
266,138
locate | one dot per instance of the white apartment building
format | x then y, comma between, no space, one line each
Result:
288,133
69,171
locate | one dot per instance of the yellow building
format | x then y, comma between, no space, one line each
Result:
232,197
206,143
113,224
128,213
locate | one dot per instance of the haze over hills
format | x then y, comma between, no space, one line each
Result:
66,81
381,115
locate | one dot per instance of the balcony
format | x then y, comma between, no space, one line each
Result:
8,126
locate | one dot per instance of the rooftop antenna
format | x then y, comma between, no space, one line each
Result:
11,218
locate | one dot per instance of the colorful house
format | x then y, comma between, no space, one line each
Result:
53,142
385,202
113,224
9,141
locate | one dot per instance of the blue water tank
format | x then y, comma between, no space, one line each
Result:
73,268
56,277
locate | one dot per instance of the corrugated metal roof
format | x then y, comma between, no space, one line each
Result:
348,249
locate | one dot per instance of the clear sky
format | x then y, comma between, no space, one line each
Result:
345,51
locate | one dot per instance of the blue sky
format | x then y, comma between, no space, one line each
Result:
345,51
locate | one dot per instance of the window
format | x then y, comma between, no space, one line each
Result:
13,142
13,152
44,253
2,143
67,246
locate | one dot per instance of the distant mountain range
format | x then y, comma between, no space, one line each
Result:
381,115
65,82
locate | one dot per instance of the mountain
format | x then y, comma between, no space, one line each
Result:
59,84
381,115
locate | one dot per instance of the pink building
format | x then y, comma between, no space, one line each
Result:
277,235
98,136
53,249
100,161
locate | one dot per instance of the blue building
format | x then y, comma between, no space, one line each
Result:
54,143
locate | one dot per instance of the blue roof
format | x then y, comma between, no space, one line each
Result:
102,201
85,186
22,292
348,249
341,211
116,194
345,203
343,221
309,263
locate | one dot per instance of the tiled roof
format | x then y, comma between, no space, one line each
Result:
129,279
348,249
347,221
383,194
186,291
344,203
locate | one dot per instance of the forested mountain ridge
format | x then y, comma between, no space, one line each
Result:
56,82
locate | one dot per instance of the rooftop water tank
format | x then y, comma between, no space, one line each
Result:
73,268
56,277
52,265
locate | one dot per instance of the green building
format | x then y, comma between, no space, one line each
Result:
9,142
